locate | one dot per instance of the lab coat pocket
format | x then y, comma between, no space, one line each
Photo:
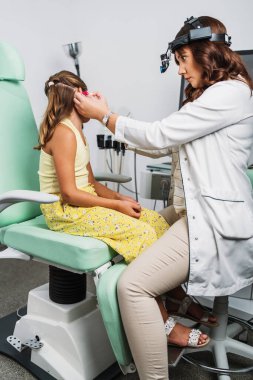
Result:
229,216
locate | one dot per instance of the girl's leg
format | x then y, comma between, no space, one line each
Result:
162,267
195,309
154,220
126,235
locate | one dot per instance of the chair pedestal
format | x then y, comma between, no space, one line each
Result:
75,343
222,341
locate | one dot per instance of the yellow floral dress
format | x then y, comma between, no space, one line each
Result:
126,235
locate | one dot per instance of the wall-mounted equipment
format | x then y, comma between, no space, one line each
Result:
74,50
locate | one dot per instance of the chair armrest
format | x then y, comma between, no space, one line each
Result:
109,177
11,197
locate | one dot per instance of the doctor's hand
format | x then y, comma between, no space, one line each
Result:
130,208
91,106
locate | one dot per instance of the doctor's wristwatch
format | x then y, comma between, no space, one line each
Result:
106,117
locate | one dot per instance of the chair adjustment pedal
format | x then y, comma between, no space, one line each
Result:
33,344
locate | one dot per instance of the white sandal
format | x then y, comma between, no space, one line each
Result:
182,311
194,335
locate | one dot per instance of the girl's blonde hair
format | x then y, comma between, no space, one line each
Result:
60,89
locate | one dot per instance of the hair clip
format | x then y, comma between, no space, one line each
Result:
50,84
86,93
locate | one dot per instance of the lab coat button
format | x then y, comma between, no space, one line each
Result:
193,217
185,158
196,238
197,260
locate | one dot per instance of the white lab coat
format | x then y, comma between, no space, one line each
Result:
215,137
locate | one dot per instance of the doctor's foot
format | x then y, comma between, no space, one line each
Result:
182,336
179,304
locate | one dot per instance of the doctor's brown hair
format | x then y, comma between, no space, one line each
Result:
60,89
216,59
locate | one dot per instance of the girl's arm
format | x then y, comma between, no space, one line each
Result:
63,149
103,191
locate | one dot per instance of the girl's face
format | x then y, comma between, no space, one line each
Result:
188,67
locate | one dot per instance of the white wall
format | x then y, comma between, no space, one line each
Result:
122,41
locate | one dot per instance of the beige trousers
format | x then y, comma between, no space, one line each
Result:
162,267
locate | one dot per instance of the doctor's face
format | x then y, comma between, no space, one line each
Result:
189,68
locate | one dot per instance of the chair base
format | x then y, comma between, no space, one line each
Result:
7,325
76,348
66,287
222,341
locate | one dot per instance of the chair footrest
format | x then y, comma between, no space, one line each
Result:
33,344
108,304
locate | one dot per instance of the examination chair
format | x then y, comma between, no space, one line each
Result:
66,332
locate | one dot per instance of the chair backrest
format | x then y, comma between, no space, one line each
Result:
18,136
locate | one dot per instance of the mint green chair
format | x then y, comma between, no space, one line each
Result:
71,333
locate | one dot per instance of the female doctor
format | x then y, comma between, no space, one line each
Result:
210,243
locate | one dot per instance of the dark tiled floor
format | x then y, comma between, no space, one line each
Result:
18,277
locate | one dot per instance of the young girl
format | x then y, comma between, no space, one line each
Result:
86,207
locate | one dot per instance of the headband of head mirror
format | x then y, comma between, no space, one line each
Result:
199,32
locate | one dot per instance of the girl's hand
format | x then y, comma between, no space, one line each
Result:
130,208
127,198
92,106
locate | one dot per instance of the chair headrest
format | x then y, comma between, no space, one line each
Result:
11,65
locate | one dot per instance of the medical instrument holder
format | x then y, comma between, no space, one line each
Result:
106,142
